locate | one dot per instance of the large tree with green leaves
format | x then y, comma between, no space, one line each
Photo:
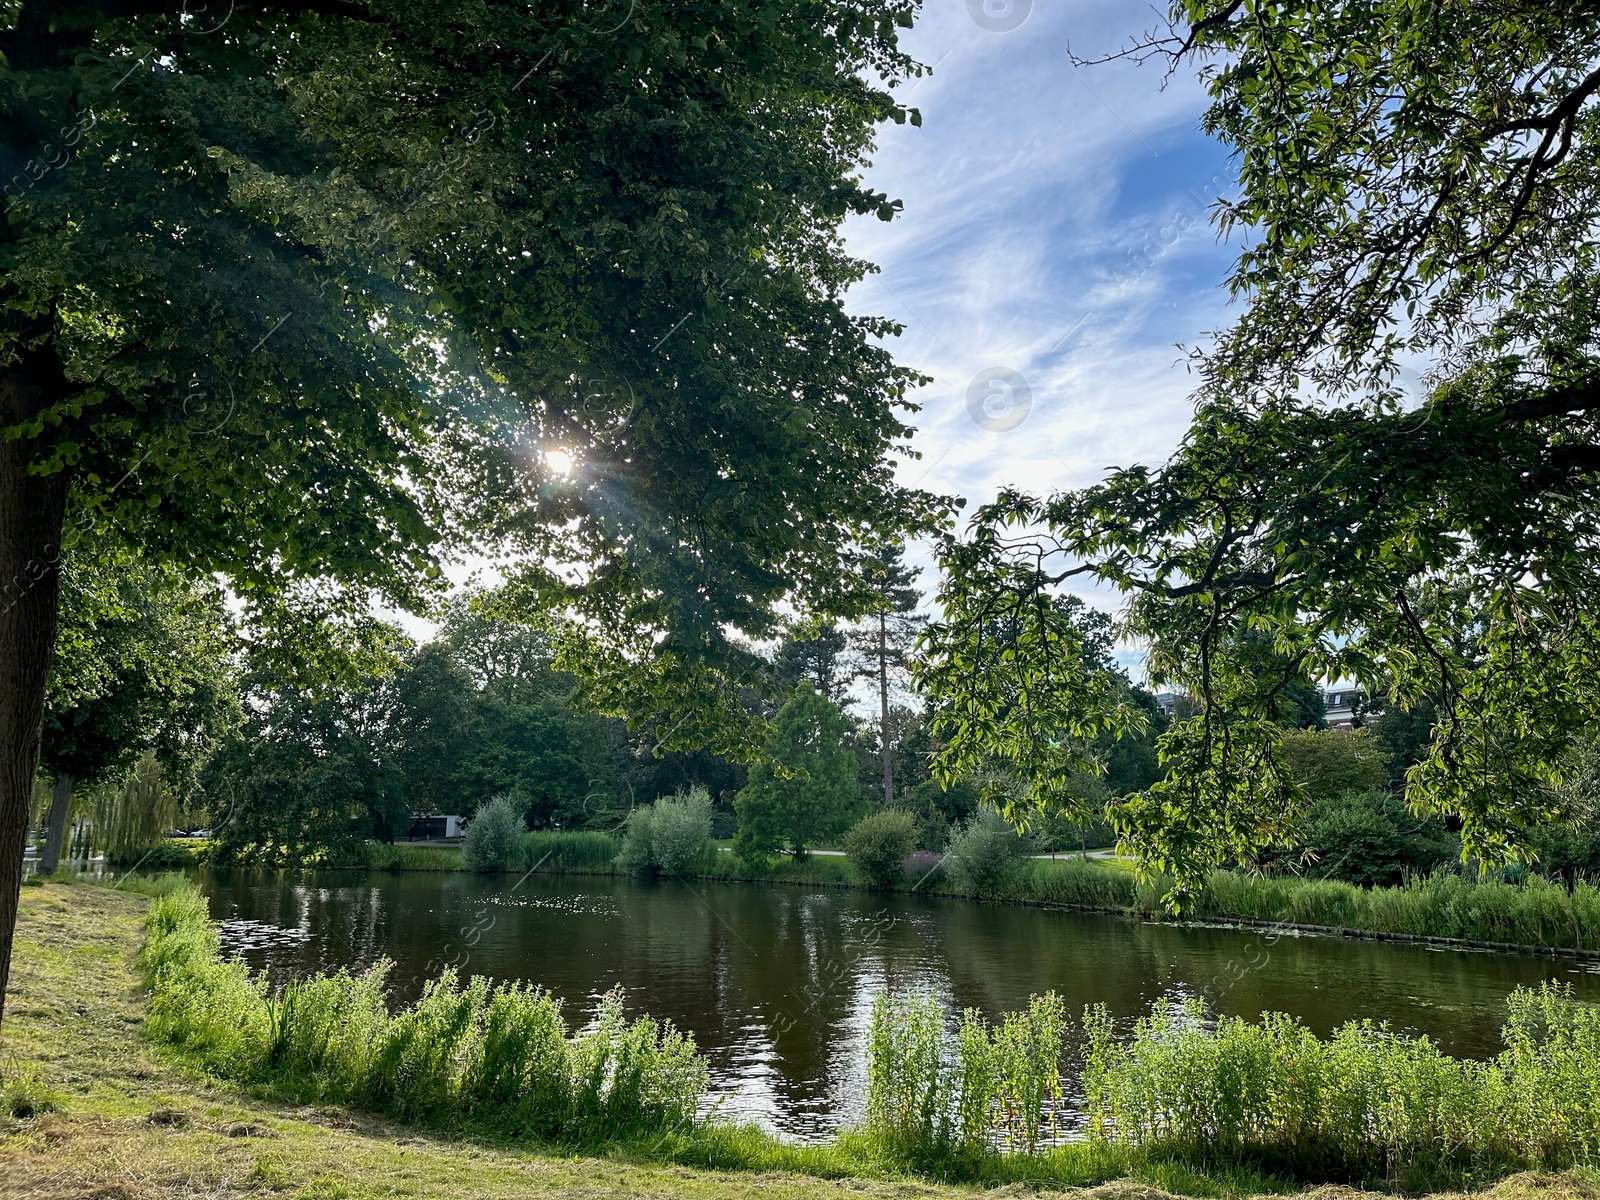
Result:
143,666
1418,186
807,792
299,292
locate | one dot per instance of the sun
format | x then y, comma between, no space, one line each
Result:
560,462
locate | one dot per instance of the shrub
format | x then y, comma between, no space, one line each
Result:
982,853
880,843
670,837
494,839
1372,839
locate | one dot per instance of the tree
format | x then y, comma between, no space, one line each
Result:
1329,762
289,296
810,794
1416,185
133,818
885,640
142,666
817,656
304,782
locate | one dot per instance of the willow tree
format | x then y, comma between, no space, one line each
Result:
1418,187
304,292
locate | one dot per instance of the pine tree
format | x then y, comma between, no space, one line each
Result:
819,658
885,641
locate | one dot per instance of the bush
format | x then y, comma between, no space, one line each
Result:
500,1056
982,853
1372,839
670,837
879,845
494,839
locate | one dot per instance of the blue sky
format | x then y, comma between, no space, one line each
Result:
1056,227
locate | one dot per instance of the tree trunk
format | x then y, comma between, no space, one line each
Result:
32,508
60,816
883,710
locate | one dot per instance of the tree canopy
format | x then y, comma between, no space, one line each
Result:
309,293
1417,186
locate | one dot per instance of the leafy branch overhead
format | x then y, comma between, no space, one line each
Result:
1417,188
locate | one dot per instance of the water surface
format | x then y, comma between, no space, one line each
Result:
776,983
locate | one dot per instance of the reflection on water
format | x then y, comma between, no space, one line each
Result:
776,984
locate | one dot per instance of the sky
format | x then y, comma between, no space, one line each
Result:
1054,257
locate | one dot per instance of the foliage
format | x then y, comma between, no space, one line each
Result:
304,781
996,1086
982,853
817,655
480,711
494,838
1415,185
1329,762
879,844
810,793
135,817
1367,1104
294,304
499,1057
671,837
1371,839
142,665
940,806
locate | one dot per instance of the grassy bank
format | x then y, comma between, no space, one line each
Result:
106,1111
110,1112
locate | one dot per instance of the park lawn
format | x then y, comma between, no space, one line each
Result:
133,1123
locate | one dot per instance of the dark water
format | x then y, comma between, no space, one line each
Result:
776,984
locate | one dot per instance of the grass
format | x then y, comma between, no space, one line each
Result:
398,856
1536,912
130,1119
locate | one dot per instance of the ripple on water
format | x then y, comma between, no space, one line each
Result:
242,934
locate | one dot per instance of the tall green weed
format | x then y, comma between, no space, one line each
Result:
498,1056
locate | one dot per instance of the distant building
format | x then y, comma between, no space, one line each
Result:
429,826
1342,703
